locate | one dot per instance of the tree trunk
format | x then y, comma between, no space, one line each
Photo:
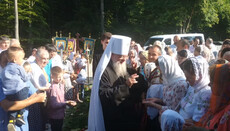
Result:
188,24
16,19
102,16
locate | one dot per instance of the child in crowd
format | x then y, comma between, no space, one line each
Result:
82,76
28,70
14,83
75,59
56,100
68,74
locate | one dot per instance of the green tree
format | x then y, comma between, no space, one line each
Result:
33,26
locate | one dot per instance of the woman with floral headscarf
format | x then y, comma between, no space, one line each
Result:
218,115
155,90
175,85
196,102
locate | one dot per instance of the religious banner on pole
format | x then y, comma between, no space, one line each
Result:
71,45
89,46
60,43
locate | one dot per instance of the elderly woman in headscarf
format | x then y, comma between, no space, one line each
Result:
133,61
143,58
196,102
161,45
138,48
218,115
175,85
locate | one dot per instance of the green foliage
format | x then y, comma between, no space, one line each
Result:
139,19
77,117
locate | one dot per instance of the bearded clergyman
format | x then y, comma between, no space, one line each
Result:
116,94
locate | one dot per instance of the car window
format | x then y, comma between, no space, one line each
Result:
191,38
167,41
152,40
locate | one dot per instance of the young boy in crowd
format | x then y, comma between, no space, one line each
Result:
14,83
56,100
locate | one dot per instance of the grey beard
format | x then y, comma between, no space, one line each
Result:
120,69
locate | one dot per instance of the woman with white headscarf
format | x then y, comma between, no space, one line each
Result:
196,102
161,45
138,48
133,61
175,85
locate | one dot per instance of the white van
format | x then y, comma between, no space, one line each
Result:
168,39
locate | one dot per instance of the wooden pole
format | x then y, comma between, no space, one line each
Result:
78,37
102,16
16,19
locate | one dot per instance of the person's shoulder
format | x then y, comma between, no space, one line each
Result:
206,90
34,65
182,83
12,68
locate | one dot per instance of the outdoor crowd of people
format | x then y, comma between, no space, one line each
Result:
185,86
37,90
170,88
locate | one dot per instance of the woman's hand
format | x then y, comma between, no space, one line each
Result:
188,123
39,96
152,102
149,101
71,103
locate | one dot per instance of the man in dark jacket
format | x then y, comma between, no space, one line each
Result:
97,55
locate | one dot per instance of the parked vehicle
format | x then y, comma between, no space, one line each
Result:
218,44
168,39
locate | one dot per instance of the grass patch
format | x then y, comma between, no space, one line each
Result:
76,118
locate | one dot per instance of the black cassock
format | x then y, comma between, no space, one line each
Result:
121,105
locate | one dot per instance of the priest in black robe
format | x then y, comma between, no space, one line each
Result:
120,101
116,94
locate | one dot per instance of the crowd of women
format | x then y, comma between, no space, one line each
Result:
188,88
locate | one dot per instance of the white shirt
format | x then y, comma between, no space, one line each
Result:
81,78
38,78
57,61
174,47
195,104
191,48
31,59
213,47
